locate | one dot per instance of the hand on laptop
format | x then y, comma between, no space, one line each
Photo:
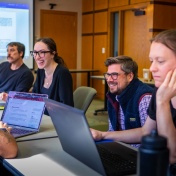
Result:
3,96
4,125
97,135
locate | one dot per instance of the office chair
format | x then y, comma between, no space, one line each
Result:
83,96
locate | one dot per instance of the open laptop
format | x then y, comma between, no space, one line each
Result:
76,139
23,112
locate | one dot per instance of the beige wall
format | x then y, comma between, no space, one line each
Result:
62,5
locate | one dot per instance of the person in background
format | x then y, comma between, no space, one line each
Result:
162,108
53,77
8,145
128,98
14,74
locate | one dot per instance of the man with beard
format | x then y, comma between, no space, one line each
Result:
14,74
128,97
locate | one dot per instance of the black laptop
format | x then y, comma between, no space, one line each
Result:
106,158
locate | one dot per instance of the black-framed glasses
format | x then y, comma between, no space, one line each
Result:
40,53
113,75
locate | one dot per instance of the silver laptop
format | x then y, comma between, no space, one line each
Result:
106,158
23,112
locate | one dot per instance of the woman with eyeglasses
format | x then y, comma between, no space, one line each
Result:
53,77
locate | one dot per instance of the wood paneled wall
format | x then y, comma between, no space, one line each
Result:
115,3
94,40
100,22
134,34
87,5
100,4
87,23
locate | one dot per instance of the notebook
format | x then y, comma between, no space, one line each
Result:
76,139
23,112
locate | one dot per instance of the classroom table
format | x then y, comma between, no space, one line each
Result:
42,154
2,103
45,157
88,71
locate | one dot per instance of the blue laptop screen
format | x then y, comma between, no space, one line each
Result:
24,109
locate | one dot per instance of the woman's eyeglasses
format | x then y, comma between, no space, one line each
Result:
40,53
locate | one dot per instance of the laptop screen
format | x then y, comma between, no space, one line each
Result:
24,109
74,134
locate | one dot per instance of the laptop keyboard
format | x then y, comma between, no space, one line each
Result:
20,131
115,164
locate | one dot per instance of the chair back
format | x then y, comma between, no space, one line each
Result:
83,96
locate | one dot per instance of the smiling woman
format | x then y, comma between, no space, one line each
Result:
53,77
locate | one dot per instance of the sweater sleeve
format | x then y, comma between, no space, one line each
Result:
25,82
65,88
152,106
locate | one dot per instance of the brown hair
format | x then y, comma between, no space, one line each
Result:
167,38
20,47
127,64
52,47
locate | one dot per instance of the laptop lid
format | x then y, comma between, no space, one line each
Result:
24,110
74,134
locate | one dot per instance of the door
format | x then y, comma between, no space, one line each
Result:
62,27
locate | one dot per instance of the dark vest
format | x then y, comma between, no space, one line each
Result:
129,100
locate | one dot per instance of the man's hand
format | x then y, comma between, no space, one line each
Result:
3,96
4,125
97,135
167,90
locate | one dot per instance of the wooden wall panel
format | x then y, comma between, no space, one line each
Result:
138,1
87,5
164,15
100,41
149,12
87,43
100,4
100,22
87,23
165,1
136,42
116,3
87,53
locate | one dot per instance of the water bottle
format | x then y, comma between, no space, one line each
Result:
153,156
